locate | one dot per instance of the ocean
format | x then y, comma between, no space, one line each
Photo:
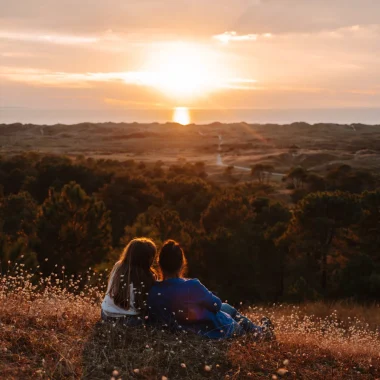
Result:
196,116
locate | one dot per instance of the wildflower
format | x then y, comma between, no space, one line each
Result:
208,368
115,373
136,370
183,365
286,362
164,378
282,371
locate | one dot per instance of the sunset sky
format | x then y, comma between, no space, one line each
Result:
95,54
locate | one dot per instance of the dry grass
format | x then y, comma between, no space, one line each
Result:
49,329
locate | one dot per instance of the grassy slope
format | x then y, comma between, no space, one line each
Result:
48,333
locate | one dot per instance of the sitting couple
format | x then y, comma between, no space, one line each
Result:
135,296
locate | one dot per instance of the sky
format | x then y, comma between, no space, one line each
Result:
144,54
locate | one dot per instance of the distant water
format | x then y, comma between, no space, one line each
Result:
197,116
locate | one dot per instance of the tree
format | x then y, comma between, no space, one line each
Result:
190,196
297,176
74,230
227,210
160,224
18,213
126,197
345,178
228,173
262,172
318,220
240,239
369,227
315,183
56,171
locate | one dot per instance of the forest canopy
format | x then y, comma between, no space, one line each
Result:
57,211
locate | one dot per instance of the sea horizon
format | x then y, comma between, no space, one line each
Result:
10,115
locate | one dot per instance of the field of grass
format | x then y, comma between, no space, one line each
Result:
50,329
315,147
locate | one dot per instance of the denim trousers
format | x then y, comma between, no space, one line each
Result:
244,324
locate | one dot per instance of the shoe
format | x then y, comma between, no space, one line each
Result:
268,329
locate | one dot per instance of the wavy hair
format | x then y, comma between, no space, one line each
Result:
133,267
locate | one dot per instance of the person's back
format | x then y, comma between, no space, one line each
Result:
185,304
129,282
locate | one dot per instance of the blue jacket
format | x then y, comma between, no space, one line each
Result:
186,304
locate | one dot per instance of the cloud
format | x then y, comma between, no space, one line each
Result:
48,38
123,103
227,37
186,18
83,80
160,16
302,16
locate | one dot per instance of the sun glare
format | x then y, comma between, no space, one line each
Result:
181,115
185,71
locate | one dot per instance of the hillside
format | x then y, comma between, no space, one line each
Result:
315,147
49,332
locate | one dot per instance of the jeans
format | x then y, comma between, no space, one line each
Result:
244,323
127,320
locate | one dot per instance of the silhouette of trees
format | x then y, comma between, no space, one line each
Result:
126,197
262,172
228,173
345,178
297,176
74,230
227,211
239,239
369,227
18,213
188,195
318,221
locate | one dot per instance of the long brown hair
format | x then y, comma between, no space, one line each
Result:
133,267
172,260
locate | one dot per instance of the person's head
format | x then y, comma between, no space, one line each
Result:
172,260
134,267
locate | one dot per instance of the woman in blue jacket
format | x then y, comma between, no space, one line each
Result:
185,304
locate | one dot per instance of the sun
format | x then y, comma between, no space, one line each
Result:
181,115
185,71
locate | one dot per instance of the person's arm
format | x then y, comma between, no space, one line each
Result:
206,298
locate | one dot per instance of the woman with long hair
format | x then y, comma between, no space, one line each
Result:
129,283
186,304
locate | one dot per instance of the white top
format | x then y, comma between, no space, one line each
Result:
111,309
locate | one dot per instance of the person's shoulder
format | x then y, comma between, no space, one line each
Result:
193,282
